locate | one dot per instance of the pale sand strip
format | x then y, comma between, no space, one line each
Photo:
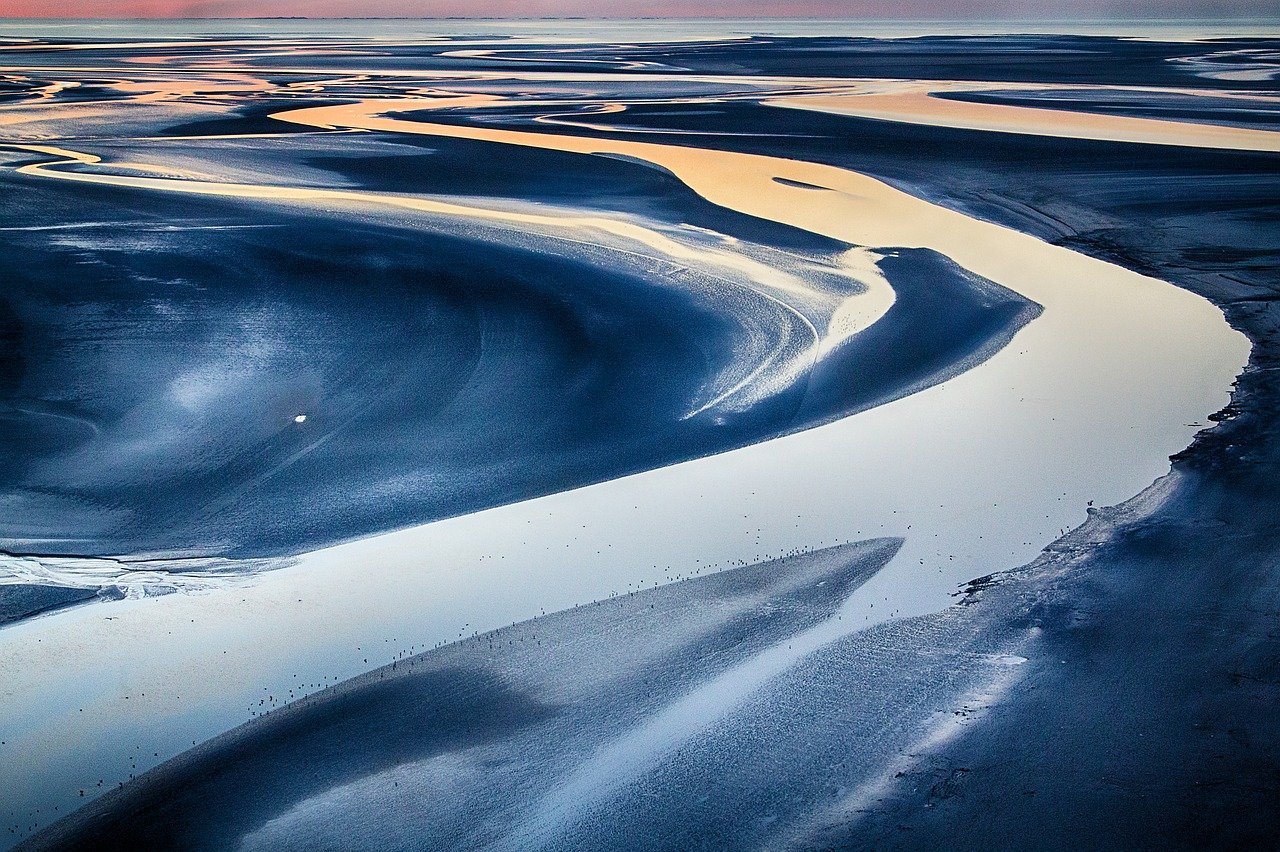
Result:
913,102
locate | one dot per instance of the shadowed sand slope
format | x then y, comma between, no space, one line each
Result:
456,747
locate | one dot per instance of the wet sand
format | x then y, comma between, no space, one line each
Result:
758,483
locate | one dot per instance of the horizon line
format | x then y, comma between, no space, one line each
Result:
899,19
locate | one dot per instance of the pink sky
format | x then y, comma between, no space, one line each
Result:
1030,9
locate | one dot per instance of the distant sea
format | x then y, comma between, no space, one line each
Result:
614,30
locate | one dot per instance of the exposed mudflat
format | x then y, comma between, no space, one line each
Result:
361,291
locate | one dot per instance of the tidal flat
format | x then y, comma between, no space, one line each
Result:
331,362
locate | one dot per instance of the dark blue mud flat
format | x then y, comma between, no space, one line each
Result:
154,362
944,321
12,92
24,601
251,118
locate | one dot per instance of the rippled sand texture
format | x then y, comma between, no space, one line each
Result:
363,348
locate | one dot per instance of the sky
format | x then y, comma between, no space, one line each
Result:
888,9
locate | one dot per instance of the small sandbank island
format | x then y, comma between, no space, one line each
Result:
678,433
